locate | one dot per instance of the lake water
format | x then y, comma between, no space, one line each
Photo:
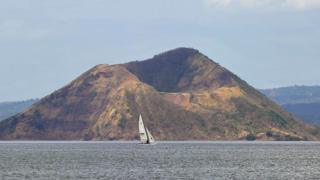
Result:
165,160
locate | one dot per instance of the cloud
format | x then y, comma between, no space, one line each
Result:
293,4
218,3
303,4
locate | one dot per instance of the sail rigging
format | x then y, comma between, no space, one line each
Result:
142,131
150,137
145,135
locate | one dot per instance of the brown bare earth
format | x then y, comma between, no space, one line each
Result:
181,94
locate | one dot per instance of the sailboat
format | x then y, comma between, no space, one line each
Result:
145,135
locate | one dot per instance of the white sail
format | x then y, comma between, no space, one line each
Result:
150,137
142,132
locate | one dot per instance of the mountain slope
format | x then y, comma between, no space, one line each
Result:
181,94
8,109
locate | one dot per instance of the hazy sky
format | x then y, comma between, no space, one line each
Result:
44,44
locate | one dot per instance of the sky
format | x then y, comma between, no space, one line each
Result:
45,44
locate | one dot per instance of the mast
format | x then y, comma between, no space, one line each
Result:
148,139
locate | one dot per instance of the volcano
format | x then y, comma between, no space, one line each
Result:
181,94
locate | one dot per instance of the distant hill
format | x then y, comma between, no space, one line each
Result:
294,94
302,101
181,94
8,109
309,112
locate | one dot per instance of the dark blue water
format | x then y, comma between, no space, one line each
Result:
165,160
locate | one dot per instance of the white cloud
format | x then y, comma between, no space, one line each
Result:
218,3
303,4
295,4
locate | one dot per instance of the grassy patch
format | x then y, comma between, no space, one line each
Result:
276,118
